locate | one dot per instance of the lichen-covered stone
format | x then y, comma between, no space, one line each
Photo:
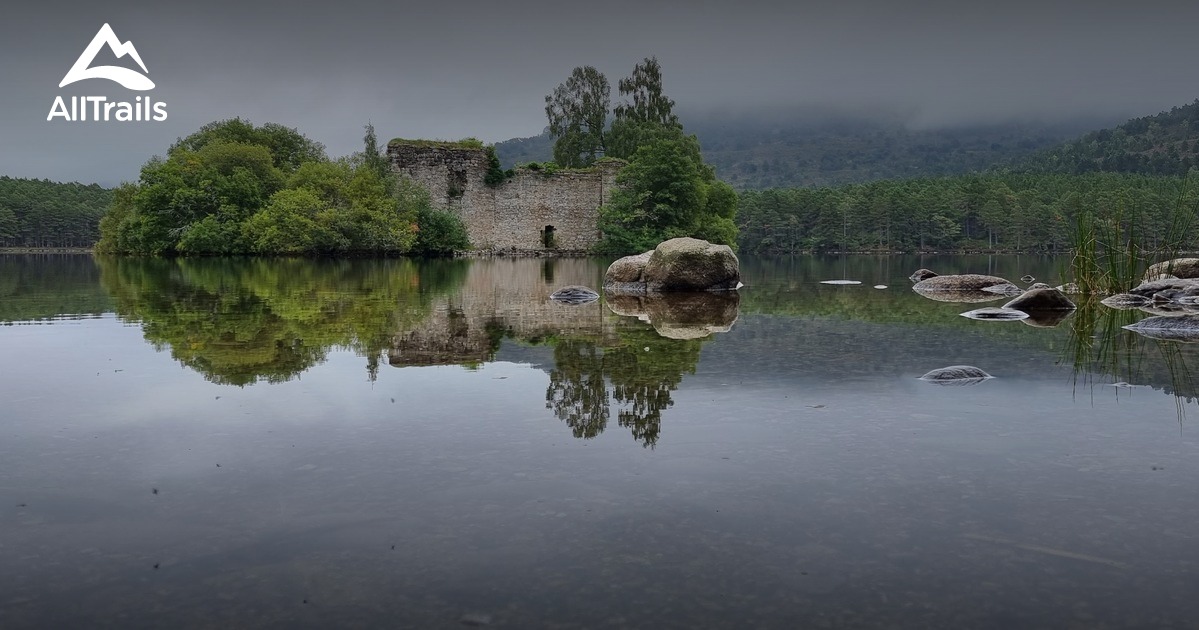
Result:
690,264
1042,300
627,269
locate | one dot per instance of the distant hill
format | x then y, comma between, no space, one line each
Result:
1163,144
805,148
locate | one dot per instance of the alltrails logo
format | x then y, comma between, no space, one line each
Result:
100,108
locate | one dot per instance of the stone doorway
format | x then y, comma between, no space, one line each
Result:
548,239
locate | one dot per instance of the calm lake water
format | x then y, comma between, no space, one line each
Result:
386,444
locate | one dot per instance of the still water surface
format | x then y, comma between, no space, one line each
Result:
218,443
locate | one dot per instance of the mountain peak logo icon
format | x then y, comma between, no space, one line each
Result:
128,78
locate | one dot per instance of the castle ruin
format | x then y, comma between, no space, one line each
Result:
532,211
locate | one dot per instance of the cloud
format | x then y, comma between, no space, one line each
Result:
482,68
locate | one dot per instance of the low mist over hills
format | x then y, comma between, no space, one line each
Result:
794,148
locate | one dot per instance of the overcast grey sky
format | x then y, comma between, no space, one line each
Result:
468,68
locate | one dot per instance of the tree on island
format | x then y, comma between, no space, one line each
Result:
233,188
666,190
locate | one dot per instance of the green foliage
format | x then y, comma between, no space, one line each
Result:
646,116
440,233
465,143
232,188
578,111
665,192
288,147
496,175
41,213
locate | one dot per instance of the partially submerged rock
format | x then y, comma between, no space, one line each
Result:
956,375
921,274
1038,285
1178,267
574,294
1042,300
1008,290
1069,288
841,282
1027,278
995,314
1124,301
676,265
1151,287
1183,328
961,282
626,275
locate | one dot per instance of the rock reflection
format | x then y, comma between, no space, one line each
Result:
681,315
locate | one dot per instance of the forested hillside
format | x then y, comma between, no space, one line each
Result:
42,213
996,212
1163,144
817,149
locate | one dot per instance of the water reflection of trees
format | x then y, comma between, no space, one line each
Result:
637,376
241,321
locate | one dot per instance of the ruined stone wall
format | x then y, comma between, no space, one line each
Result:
514,215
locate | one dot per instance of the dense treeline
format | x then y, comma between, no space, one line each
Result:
233,188
42,213
996,212
1164,144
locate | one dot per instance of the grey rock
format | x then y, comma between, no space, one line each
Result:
1038,285
921,274
962,282
956,375
1150,287
1027,278
574,294
1042,300
995,314
690,264
1178,267
1010,290
1069,288
1125,301
1183,328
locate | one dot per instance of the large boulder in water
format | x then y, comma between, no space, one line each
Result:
625,275
691,264
1179,268
1041,300
960,282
